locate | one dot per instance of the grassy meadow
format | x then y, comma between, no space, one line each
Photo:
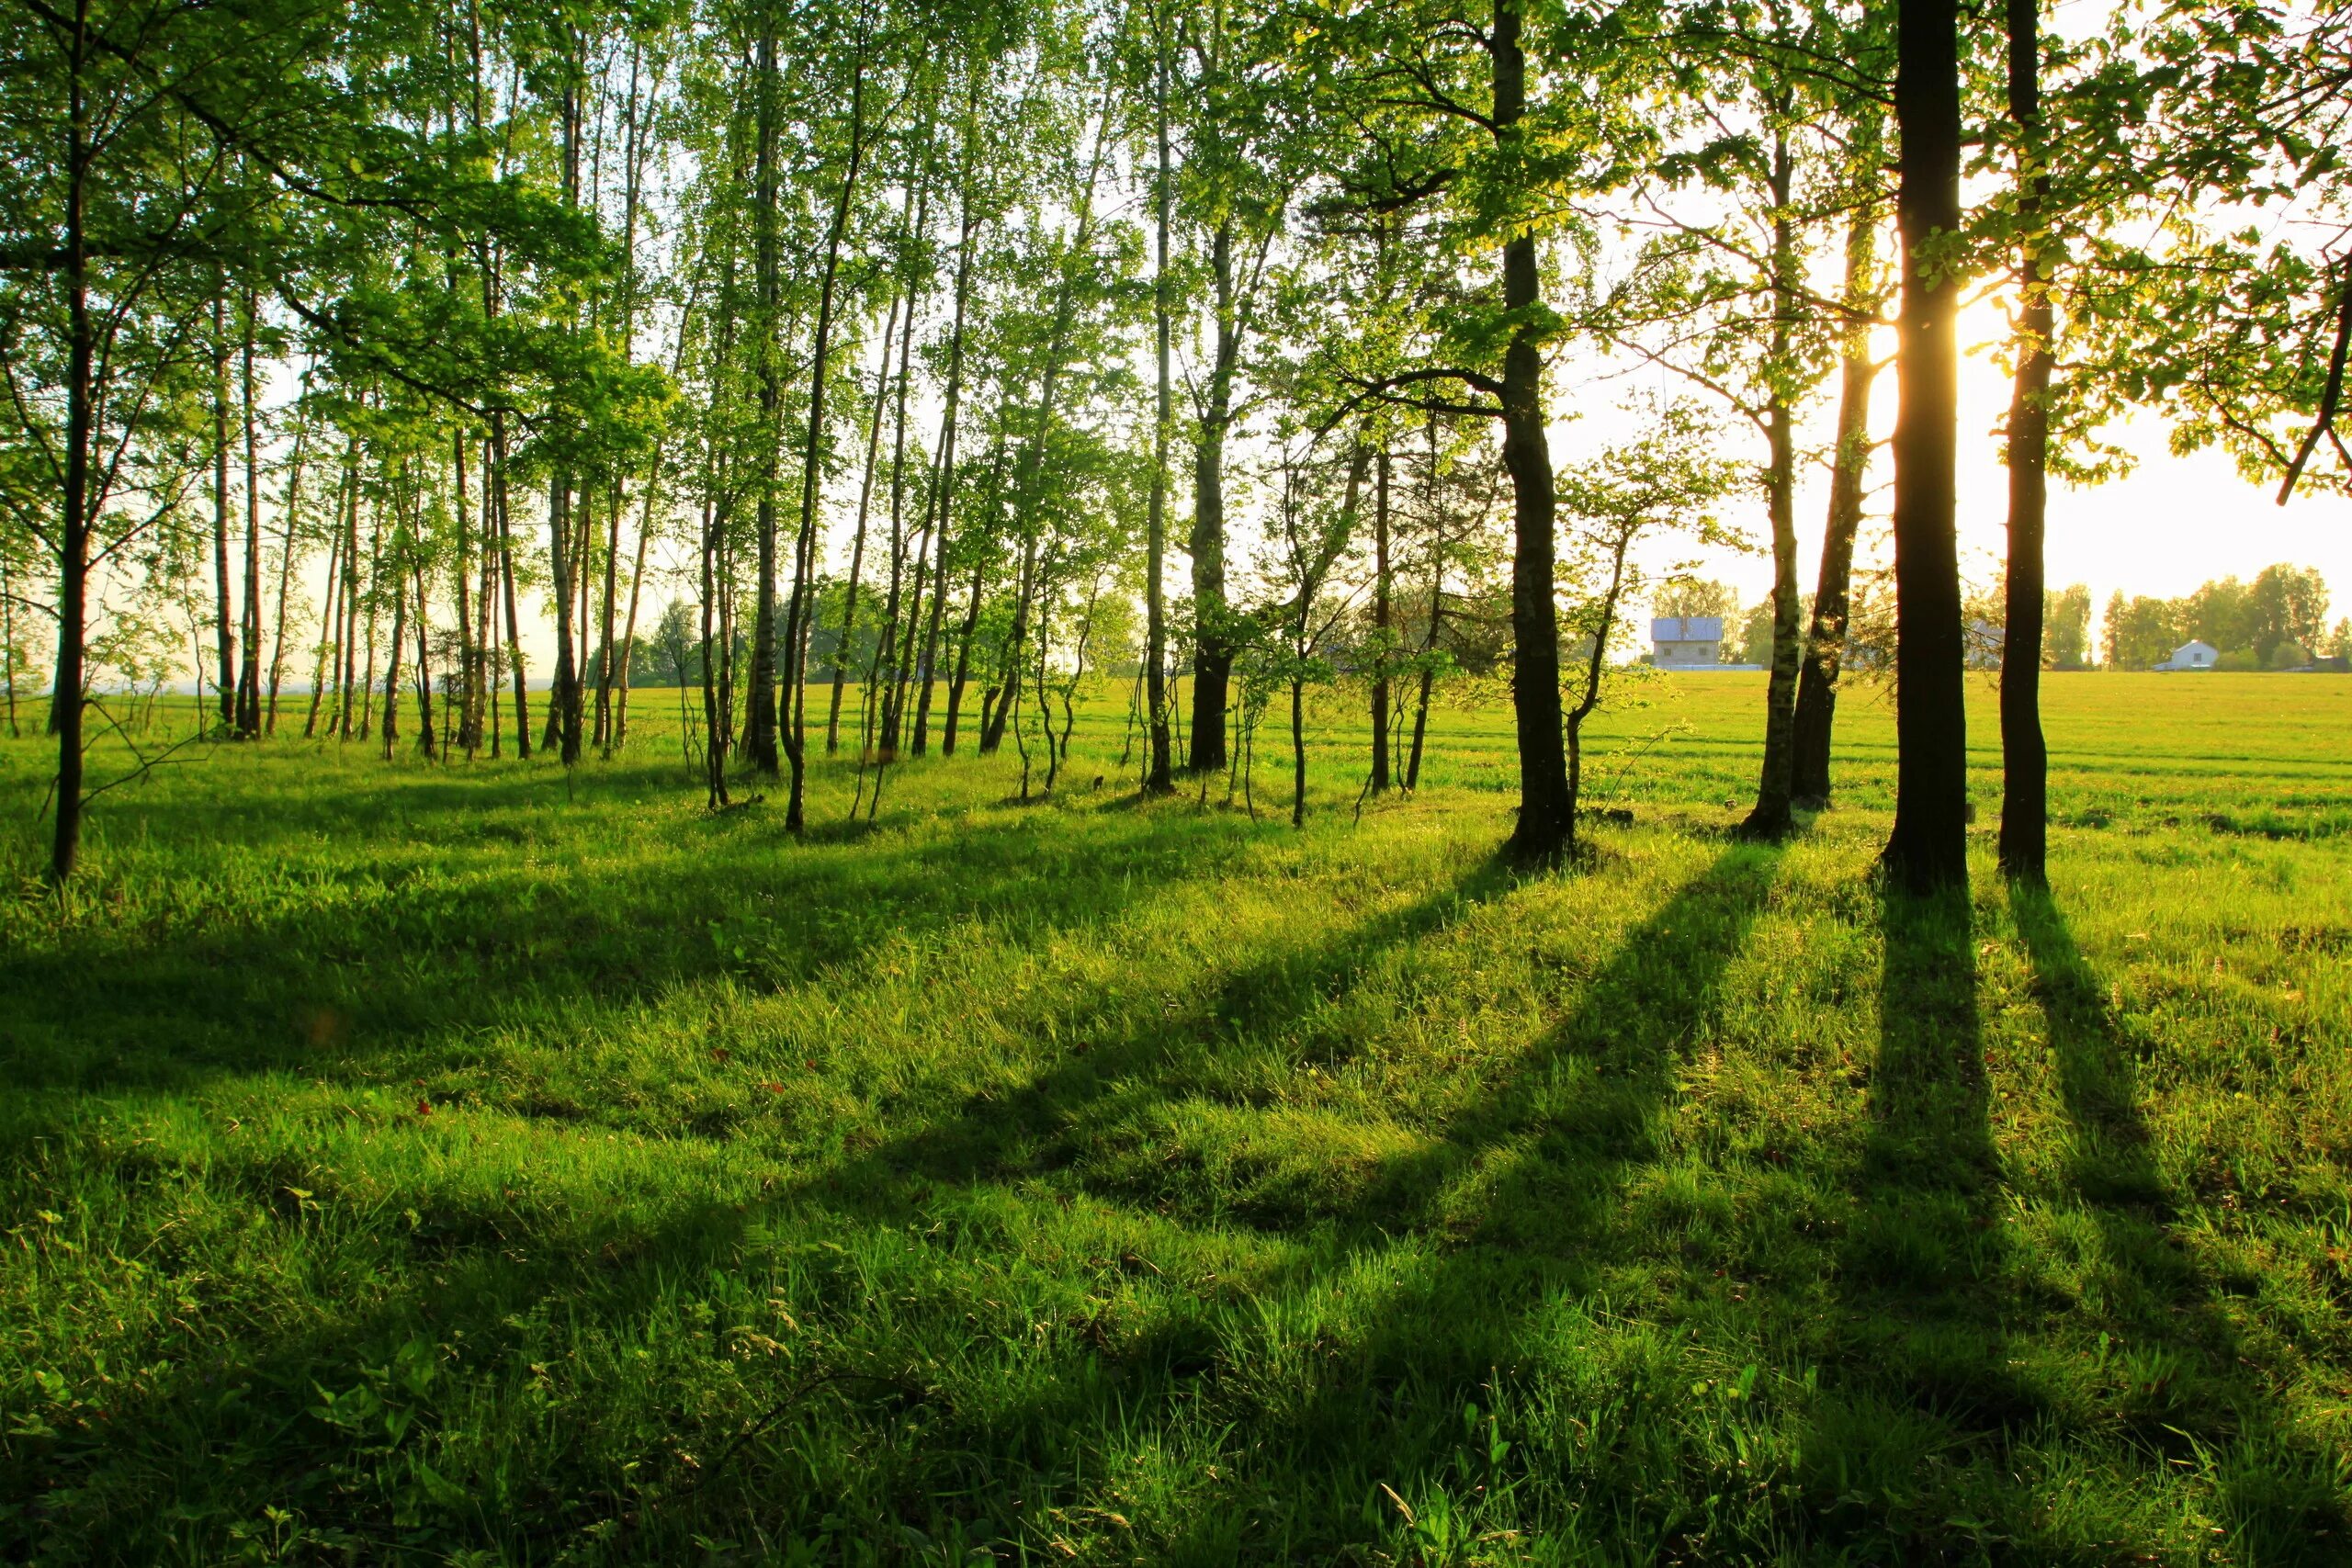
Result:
471,1164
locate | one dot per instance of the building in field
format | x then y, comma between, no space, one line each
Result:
2191,655
1687,642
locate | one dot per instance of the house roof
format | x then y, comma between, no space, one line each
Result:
1687,628
2195,645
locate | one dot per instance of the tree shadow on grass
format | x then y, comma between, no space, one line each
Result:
2185,1385
1430,1265
328,980
470,1285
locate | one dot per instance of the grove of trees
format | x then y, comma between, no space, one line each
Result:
914,361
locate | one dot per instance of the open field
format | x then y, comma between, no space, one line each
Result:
410,1163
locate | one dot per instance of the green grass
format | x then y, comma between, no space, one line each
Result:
466,1163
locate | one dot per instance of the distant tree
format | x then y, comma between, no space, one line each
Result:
2216,613
2142,631
2286,607
2066,628
1687,596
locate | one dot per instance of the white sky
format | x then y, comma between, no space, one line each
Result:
2168,526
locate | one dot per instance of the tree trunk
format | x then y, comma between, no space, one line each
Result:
499,494
1212,635
608,661
1158,775
1832,596
813,460
857,541
73,528
392,666
2025,758
628,626
1380,624
224,633
1429,675
760,716
424,665
1770,818
249,669
289,527
1546,820
331,612
1927,850
348,632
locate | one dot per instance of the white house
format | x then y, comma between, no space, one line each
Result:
1687,642
2191,655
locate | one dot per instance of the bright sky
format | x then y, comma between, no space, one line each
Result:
2171,523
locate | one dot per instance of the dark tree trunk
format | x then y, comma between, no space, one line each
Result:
1770,818
73,526
498,495
812,463
1546,814
1159,771
289,523
224,633
760,716
1213,635
249,669
1380,624
944,483
857,542
1832,596
2025,758
391,729
965,635
1927,850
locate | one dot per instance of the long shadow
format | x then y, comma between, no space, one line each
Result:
370,968
1524,1199
2187,1379
1516,1199
1920,1397
494,1274
1040,1125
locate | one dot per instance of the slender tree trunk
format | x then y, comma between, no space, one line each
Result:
249,669
423,664
468,715
2025,758
392,665
73,528
969,629
906,587
330,613
499,494
760,717
1381,624
348,630
813,459
1770,818
629,627
1158,776
290,528
1429,675
943,482
857,541
1546,815
1832,597
224,633
607,658
375,603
